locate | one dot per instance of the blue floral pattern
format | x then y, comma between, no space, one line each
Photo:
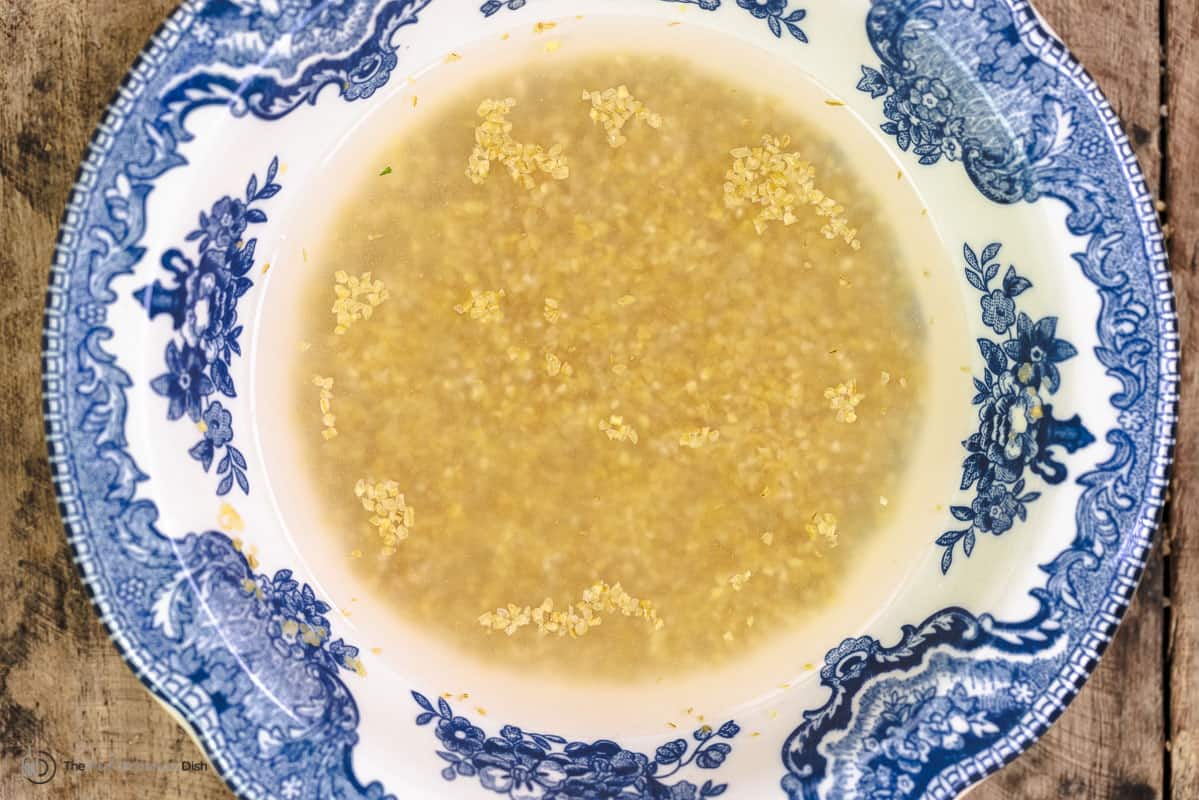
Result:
934,121
222,646
190,615
298,622
920,113
777,18
220,617
775,12
922,721
1017,426
492,6
281,31
299,47
202,307
968,82
907,728
887,730
539,766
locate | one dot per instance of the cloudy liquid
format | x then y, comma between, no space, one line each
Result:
672,318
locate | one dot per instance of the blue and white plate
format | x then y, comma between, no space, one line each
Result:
221,149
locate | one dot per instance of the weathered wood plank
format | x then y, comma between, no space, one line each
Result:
63,688
1109,743
1182,198
1120,44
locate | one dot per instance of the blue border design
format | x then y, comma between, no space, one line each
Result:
894,725
202,307
933,714
779,17
1016,427
246,659
541,766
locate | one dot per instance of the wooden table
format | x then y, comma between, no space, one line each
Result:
1133,734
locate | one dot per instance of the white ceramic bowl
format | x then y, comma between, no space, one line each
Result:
1034,492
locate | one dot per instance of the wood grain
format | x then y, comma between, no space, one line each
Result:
62,686
64,689
1110,742
1182,199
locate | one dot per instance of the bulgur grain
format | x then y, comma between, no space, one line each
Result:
637,306
391,516
494,143
613,108
356,298
844,400
781,183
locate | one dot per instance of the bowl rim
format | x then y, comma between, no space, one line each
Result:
1035,33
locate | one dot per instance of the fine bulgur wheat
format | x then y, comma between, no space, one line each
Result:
608,365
